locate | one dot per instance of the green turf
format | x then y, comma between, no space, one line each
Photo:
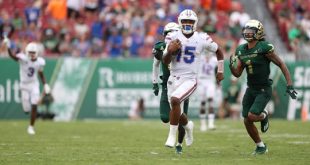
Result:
142,142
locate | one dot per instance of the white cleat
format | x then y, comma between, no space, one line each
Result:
203,128
189,138
30,130
170,141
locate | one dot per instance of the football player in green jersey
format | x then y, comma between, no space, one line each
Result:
164,106
255,56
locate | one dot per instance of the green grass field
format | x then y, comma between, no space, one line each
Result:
142,142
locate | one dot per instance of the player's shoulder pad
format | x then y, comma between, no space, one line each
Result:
266,47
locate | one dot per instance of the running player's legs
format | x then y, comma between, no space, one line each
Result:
181,89
26,101
164,106
247,102
261,100
210,100
35,95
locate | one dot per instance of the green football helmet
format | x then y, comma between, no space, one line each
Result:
253,30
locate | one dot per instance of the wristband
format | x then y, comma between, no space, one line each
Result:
220,66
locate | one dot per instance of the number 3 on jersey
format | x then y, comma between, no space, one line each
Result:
30,71
189,54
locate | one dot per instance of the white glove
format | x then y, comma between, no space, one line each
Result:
47,89
7,42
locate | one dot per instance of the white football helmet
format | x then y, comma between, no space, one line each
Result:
32,50
188,14
171,26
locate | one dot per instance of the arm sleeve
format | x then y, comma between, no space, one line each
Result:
155,71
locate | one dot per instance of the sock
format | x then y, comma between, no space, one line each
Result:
186,127
179,144
260,144
203,120
211,119
173,130
264,115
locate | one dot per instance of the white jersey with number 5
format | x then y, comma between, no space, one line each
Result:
186,63
29,69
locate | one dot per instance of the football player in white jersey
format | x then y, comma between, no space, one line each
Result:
30,66
206,90
183,54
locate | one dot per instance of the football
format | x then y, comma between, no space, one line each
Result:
174,47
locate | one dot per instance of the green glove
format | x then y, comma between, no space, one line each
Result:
291,91
233,61
155,89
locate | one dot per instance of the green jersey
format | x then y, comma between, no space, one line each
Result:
256,63
158,49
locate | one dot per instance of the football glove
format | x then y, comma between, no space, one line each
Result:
291,91
233,60
6,41
155,89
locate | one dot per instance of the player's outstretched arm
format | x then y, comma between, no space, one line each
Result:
276,60
46,87
155,73
6,41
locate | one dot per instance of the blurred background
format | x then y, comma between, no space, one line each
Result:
99,58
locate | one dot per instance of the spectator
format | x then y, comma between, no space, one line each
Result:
65,46
50,41
114,44
57,10
80,27
82,47
74,8
137,109
32,15
17,21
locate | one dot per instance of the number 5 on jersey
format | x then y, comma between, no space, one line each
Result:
189,54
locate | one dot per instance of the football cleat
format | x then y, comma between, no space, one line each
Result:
30,130
170,141
178,149
260,150
203,128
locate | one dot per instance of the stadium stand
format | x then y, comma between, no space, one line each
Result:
126,28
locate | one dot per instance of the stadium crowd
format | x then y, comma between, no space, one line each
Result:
129,28
112,28
293,20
